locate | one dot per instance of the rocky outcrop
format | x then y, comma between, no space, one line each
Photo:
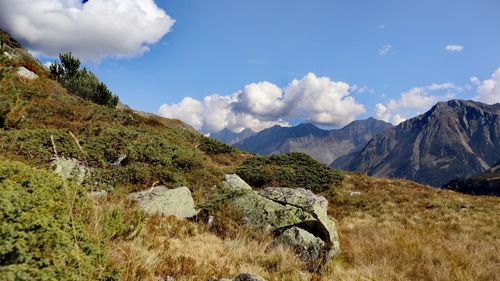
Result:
169,202
297,217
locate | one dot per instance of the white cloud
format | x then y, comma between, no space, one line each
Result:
454,48
385,50
444,86
415,101
214,113
398,119
475,81
261,105
261,99
416,97
382,112
361,89
94,30
488,91
321,101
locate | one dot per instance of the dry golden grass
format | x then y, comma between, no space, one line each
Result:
392,230
398,230
186,251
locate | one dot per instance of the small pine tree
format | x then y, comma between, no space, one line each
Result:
81,82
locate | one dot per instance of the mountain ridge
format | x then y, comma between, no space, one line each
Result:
229,137
323,145
450,136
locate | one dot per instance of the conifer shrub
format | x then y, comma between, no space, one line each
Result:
43,234
214,147
81,82
294,170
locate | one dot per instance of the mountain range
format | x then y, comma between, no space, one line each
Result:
323,145
229,137
454,139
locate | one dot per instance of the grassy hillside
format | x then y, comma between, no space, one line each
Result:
389,229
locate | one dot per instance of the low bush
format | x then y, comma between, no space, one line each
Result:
295,170
42,228
214,147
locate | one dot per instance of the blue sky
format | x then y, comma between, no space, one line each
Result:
381,49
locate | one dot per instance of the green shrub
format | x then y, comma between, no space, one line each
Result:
295,170
214,147
42,228
81,82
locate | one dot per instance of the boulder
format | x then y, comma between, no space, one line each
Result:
26,73
305,244
159,199
316,206
69,167
261,212
297,217
235,183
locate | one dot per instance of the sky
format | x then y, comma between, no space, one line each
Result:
257,63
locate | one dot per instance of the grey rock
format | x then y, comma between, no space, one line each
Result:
314,205
119,160
278,209
159,199
69,167
26,73
305,244
235,183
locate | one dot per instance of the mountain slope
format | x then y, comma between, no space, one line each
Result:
389,229
487,183
323,145
454,139
229,137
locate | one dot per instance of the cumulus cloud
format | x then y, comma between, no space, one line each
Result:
454,48
488,91
415,101
382,112
92,31
261,105
214,113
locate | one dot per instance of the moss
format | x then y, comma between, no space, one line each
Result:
290,170
42,228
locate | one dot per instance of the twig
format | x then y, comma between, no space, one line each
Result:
77,143
54,145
